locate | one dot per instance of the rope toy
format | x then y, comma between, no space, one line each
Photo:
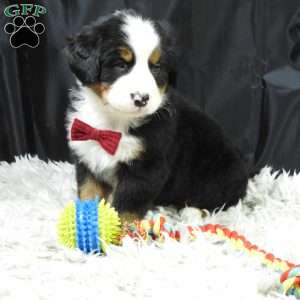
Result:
92,225
156,228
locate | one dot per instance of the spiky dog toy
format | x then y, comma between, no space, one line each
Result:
89,225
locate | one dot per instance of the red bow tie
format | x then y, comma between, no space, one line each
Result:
109,140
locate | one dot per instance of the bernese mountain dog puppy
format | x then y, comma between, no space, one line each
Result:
156,148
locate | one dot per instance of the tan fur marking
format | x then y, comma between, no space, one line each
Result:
155,56
91,188
100,89
126,54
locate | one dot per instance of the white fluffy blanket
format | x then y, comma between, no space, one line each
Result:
33,266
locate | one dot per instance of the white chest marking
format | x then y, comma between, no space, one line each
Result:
90,152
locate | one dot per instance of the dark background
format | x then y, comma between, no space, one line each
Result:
238,61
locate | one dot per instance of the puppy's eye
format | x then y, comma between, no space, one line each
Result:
156,67
121,65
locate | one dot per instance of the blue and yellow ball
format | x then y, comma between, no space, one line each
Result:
89,225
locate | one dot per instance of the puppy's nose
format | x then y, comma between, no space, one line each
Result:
140,100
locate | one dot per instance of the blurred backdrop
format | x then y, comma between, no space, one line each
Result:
239,60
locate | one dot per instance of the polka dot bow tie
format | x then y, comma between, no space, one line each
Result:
109,140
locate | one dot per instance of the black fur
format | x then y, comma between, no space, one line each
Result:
188,162
187,159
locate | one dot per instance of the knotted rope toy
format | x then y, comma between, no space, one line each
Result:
92,225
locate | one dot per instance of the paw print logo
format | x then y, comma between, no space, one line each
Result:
24,32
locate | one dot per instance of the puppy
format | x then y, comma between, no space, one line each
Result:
135,141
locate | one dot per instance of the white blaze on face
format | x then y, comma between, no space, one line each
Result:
143,39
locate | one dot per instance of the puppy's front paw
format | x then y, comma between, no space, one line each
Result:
90,189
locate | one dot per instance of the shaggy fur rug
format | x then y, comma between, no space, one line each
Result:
33,266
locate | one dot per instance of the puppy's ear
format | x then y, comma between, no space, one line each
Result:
168,33
169,44
83,58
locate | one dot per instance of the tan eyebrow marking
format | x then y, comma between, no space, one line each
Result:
126,54
155,56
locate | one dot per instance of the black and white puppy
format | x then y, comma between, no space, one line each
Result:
170,152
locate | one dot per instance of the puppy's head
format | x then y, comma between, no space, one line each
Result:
125,61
